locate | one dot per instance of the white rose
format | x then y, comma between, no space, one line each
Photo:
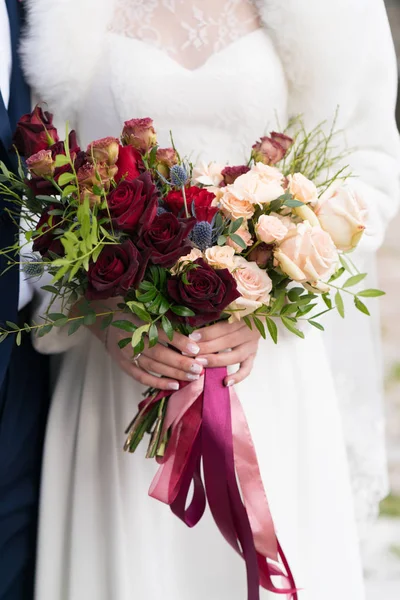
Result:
270,229
302,188
254,286
220,257
208,174
343,214
308,254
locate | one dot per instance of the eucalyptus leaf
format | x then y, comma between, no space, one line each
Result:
235,225
238,240
221,240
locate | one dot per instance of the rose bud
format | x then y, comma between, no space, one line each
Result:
307,254
267,151
165,159
261,255
35,132
104,150
230,174
167,239
302,189
133,203
283,140
343,214
270,229
140,134
254,286
205,290
41,164
45,241
118,269
100,175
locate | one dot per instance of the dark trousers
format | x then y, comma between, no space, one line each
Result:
24,401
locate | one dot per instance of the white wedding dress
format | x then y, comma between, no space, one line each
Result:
211,73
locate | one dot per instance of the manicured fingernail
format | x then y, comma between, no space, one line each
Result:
195,336
193,348
196,368
192,377
230,383
174,385
202,361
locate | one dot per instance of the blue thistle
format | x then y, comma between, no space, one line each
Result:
34,268
178,175
161,210
202,235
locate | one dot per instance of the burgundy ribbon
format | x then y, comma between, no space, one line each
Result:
200,417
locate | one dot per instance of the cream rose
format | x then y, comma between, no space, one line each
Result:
343,214
243,233
302,188
220,257
193,255
208,174
261,185
233,206
270,229
254,285
308,254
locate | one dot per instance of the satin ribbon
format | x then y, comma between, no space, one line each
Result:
207,422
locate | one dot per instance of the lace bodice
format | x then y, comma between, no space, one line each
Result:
188,31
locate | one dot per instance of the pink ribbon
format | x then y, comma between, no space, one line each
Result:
207,422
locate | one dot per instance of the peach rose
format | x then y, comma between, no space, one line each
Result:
208,174
342,213
260,186
233,206
245,234
308,254
270,229
254,285
289,222
302,188
220,257
193,255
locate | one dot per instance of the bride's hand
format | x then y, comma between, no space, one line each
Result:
237,337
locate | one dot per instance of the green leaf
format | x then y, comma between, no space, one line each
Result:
316,325
182,311
338,274
75,325
339,304
292,203
305,310
65,178
371,293
125,325
18,338
50,288
139,310
61,160
153,335
354,280
247,321
273,329
56,316
289,324
345,264
235,225
154,274
146,286
123,343
61,322
45,330
306,299
147,296
13,325
137,336
164,306
167,326
238,240
278,302
260,326
295,293
3,336
289,309
275,205
327,300
90,318
221,240
106,322
361,306
45,198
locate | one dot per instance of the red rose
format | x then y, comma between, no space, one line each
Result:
129,164
208,292
230,174
46,242
167,239
198,202
35,132
133,202
118,269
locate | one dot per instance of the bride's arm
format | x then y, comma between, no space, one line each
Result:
340,55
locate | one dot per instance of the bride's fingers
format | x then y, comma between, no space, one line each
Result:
172,358
148,364
236,356
244,371
218,330
147,379
241,336
180,342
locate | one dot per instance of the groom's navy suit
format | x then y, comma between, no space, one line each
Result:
23,382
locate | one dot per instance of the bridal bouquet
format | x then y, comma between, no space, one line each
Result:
184,246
